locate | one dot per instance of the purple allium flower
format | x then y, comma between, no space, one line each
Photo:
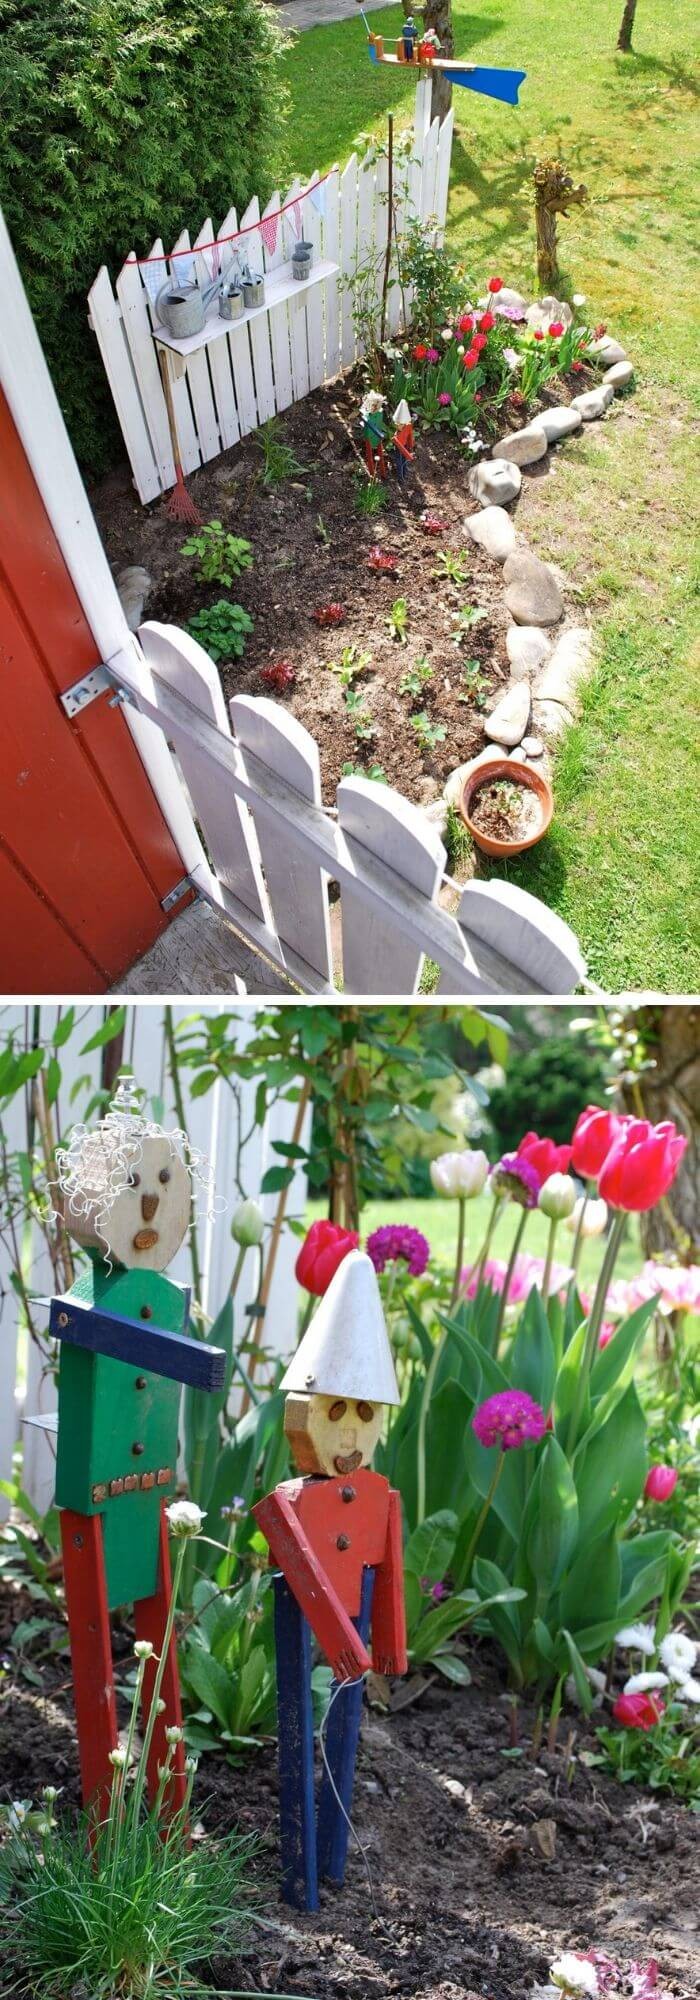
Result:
516,1177
432,354
513,313
435,1590
398,1240
509,1419
444,399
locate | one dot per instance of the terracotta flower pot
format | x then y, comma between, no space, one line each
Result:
516,774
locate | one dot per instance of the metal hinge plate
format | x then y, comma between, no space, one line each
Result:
175,895
74,699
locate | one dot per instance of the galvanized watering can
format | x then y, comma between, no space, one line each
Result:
181,308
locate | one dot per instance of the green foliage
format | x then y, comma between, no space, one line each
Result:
222,629
467,619
121,119
279,460
428,733
373,771
436,1617
397,620
416,679
453,564
665,1758
369,495
546,1088
458,845
352,662
440,283
227,1664
475,686
221,556
360,717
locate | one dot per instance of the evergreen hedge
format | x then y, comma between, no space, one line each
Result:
121,120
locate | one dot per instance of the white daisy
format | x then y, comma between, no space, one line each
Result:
637,1639
184,1516
678,1653
641,1683
689,1690
574,1975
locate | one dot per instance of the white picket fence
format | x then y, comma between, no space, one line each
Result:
27,1386
254,788
266,362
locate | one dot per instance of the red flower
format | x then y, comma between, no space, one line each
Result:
470,360
280,675
661,1481
592,1138
486,322
495,285
380,559
477,397
466,323
600,330
322,1250
432,524
329,614
641,1164
517,399
556,328
638,1711
479,342
538,334
577,366
419,352
544,1156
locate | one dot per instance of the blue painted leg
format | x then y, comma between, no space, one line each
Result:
296,1751
341,1739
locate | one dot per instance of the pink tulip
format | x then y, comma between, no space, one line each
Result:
661,1481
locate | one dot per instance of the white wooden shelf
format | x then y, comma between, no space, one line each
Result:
279,286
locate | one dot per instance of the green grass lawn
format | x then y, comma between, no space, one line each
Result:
438,1221
620,862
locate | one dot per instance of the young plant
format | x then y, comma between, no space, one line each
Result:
662,1754
373,771
438,282
360,718
467,619
369,495
453,566
418,676
475,686
351,663
436,1615
221,556
428,733
397,620
280,462
222,629
458,845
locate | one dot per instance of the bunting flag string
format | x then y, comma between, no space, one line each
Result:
316,194
269,228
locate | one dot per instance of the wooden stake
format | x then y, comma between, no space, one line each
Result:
389,226
273,1247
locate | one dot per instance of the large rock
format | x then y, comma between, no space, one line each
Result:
550,720
533,596
559,422
494,482
456,781
547,312
527,646
594,402
498,301
493,531
619,376
568,665
133,585
607,351
507,723
522,447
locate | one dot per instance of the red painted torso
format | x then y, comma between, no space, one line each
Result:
328,1520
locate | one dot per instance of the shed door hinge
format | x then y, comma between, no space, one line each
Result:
74,699
175,895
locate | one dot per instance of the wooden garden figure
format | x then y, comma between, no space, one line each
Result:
408,39
403,440
374,432
124,1356
335,1535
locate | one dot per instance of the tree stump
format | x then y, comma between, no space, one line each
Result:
554,195
624,39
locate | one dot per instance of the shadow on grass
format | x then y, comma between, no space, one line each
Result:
633,66
543,870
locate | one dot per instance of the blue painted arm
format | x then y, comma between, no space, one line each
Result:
173,1355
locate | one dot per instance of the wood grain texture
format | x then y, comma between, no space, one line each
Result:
173,1355
341,1739
295,1739
91,1653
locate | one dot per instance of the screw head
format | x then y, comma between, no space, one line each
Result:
140,1382
343,1542
63,1319
347,1493
146,1312
137,1450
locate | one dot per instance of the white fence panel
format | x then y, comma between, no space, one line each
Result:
224,388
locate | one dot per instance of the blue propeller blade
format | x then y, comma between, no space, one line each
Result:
501,83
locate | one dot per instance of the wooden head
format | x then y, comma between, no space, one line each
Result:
332,1434
126,1190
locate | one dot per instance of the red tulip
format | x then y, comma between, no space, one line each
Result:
495,284
479,343
470,359
322,1250
592,1138
544,1156
466,322
577,366
638,1711
661,1481
486,322
556,328
641,1164
538,334
419,352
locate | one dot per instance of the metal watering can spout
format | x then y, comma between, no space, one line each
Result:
181,308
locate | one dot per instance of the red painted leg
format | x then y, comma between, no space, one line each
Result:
91,1652
150,1616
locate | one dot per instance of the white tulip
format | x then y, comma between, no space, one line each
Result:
592,1217
459,1176
248,1225
557,1197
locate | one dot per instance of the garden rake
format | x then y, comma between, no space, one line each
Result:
180,506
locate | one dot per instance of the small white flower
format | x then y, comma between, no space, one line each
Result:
579,299
248,1225
642,1683
557,1197
574,1975
184,1518
677,1653
190,1766
592,1216
637,1639
160,1708
514,360
18,1813
117,1759
459,1175
174,1735
50,1794
689,1690
143,1649
447,334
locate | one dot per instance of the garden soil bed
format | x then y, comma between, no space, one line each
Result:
310,547
483,1867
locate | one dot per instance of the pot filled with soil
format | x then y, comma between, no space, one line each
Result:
506,806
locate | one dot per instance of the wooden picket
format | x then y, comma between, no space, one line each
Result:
258,367
274,848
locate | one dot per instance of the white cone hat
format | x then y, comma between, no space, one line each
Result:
346,1350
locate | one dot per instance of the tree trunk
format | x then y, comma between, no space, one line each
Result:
672,1090
437,14
554,194
624,39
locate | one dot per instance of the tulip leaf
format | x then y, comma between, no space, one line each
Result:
554,1533
452,1669
567,1381
426,1344
490,1380
610,1473
430,1548
593,1583
509,1498
583,1685
543,1640
620,1354
531,1365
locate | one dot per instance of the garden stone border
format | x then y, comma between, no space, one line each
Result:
553,654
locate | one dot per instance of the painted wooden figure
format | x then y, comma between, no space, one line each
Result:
335,1536
403,441
374,432
124,1357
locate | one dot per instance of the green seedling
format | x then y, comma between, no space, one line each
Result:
467,619
475,686
280,462
322,531
413,682
222,629
458,845
351,663
429,733
359,716
370,496
221,556
358,771
397,620
453,566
